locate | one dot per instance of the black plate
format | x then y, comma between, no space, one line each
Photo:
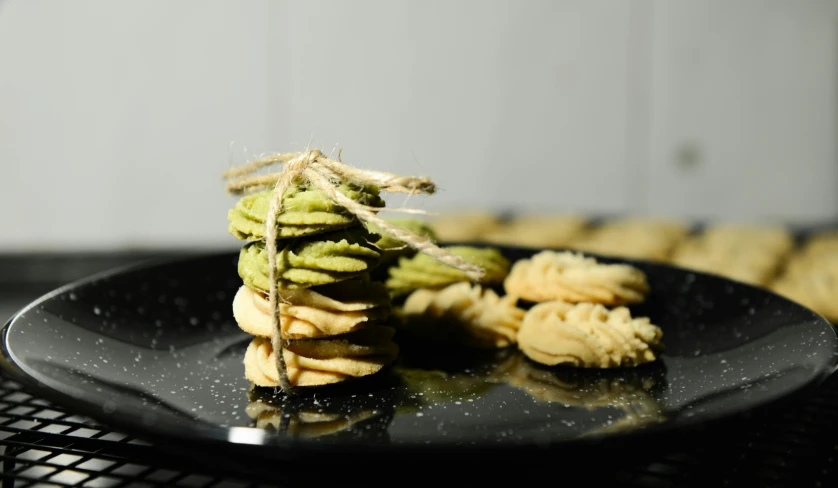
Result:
154,350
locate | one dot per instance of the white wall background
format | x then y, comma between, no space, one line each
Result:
116,117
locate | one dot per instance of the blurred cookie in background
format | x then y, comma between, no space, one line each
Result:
465,226
637,238
750,254
811,276
539,230
738,264
775,240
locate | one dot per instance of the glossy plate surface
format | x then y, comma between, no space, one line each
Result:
154,350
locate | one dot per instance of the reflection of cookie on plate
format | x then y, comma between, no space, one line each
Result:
538,231
632,393
572,277
307,417
633,238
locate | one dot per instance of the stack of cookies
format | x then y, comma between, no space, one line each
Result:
750,254
332,314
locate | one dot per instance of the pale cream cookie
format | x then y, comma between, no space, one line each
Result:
489,321
572,277
317,312
261,369
587,335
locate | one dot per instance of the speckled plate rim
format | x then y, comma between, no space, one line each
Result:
242,439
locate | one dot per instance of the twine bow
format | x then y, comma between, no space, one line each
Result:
322,172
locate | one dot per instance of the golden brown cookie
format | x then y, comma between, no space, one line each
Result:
752,267
751,254
633,238
547,385
466,226
572,277
774,240
811,279
587,335
538,231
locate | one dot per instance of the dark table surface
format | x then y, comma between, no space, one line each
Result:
789,444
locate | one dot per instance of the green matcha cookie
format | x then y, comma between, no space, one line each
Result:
391,247
302,263
423,271
305,211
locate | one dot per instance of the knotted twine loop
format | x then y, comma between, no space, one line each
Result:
321,172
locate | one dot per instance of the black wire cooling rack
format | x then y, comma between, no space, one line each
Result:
794,444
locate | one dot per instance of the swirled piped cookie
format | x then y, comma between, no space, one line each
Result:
302,263
309,313
321,361
474,315
423,271
305,211
587,335
572,277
